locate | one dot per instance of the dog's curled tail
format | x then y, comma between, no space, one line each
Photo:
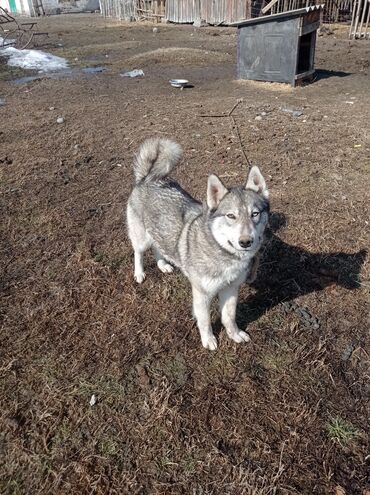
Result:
155,159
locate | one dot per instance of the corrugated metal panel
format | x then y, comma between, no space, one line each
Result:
121,9
181,11
184,11
224,11
211,11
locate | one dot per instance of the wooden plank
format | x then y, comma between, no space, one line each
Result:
302,75
368,19
362,18
353,18
357,17
308,28
268,6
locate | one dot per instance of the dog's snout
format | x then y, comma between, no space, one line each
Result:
245,242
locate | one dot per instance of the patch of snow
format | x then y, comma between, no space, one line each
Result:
33,59
134,73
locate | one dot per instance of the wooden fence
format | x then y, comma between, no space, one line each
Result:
227,11
210,11
333,11
360,27
133,10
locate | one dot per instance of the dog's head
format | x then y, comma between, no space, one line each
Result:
238,216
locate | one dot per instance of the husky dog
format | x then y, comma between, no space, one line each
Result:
215,245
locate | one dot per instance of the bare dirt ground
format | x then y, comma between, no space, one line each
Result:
285,414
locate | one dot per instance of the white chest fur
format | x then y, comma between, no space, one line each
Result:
234,273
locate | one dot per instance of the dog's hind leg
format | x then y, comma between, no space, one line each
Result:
201,309
228,299
140,242
162,264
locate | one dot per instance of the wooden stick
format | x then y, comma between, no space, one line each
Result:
234,124
236,104
240,141
222,114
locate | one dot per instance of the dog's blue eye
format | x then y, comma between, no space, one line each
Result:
231,216
255,214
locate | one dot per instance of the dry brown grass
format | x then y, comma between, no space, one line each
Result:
286,414
180,56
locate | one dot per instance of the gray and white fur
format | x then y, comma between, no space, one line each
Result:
214,244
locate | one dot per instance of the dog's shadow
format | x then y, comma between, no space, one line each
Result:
287,272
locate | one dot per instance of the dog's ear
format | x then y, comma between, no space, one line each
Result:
256,182
215,191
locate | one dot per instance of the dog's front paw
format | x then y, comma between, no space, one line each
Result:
164,266
210,343
139,277
239,336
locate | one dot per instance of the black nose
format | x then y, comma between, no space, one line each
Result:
245,242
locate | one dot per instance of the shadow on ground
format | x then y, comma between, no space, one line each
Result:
287,272
326,74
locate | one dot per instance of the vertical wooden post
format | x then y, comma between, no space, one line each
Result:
368,19
362,18
357,16
353,18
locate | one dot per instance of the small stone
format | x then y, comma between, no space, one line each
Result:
263,114
155,30
60,120
347,353
295,113
51,108
258,117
